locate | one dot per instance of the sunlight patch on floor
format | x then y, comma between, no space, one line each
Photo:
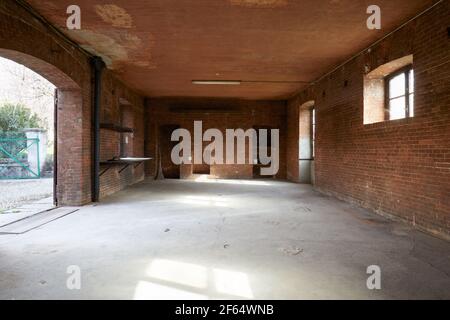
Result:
205,179
232,283
179,272
168,279
213,201
146,290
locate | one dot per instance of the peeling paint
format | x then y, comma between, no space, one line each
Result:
118,49
191,45
141,47
114,15
101,45
259,3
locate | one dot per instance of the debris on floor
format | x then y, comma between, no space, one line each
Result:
293,251
304,209
167,230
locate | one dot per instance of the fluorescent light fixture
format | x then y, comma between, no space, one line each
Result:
217,82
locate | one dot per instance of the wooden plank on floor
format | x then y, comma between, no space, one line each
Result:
37,220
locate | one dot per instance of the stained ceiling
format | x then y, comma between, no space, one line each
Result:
159,46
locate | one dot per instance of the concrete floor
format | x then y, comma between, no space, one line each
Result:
25,210
223,239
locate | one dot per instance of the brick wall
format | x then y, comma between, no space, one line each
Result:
26,40
399,168
120,106
221,114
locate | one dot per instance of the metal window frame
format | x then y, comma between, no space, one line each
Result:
312,123
312,130
406,70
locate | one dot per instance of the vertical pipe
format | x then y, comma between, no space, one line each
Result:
97,68
55,149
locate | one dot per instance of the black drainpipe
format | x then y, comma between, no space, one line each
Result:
97,68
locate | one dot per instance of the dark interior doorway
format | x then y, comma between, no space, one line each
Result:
204,167
169,169
262,149
201,169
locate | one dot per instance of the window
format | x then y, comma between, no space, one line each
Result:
389,91
400,94
126,122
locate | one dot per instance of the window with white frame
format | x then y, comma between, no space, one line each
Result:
389,91
400,94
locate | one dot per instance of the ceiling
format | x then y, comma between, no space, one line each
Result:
159,46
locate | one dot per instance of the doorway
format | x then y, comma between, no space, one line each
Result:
201,169
27,140
169,169
307,134
266,150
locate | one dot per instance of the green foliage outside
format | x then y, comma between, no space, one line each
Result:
13,119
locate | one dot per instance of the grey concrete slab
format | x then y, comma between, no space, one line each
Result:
32,222
26,210
223,239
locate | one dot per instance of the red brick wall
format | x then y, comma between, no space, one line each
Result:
292,142
233,114
399,168
26,40
116,97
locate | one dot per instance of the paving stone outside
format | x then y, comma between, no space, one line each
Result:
19,193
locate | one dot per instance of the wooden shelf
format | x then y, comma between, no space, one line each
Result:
115,127
113,162
125,162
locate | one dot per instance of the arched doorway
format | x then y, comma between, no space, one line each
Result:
68,145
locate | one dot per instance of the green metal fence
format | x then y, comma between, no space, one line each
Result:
19,157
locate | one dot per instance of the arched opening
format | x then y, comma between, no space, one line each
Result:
307,124
67,148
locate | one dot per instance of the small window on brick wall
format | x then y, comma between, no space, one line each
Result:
389,91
